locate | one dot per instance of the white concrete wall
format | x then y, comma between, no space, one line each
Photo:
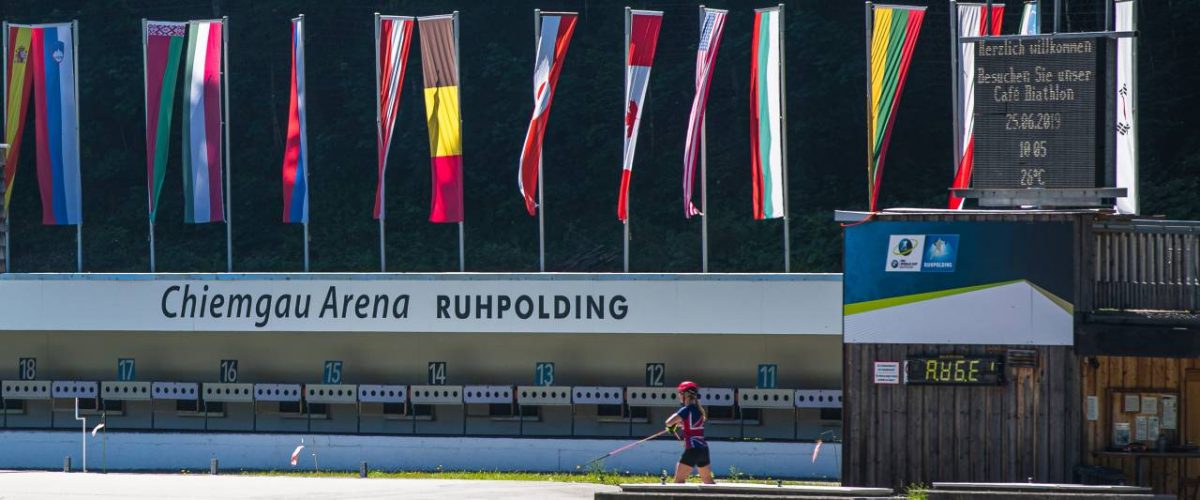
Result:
175,451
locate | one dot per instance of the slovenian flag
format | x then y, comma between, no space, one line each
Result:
295,155
48,52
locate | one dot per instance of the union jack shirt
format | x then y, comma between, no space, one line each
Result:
692,421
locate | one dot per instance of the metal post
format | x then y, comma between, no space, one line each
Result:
7,221
703,175
1108,15
82,432
987,26
228,165
150,180
870,31
955,91
79,226
308,165
1057,16
462,236
382,167
787,243
1039,15
624,105
537,31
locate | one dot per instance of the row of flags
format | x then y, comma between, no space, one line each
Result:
41,73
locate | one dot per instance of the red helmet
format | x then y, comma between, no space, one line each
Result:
688,385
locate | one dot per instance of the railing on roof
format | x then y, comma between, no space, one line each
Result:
1146,265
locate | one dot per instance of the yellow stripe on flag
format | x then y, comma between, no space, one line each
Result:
15,83
879,51
16,101
441,111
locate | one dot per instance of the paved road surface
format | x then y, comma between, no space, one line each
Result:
63,486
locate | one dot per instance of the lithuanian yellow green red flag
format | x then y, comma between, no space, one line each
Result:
893,37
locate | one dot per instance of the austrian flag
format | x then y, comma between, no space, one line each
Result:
553,39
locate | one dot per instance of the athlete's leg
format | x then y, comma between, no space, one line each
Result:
706,475
682,472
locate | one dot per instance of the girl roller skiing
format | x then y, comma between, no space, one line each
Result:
690,418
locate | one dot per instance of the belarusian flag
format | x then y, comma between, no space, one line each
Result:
162,44
202,165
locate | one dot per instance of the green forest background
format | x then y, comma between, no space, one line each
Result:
826,141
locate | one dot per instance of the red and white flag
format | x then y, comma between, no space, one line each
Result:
553,39
971,21
296,455
644,26
706,56
393,35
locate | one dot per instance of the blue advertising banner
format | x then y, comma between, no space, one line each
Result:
959,282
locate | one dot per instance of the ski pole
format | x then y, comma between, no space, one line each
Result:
626,447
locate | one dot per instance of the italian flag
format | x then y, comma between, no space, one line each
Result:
202,124
162,44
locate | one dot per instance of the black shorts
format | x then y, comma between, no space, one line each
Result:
695,457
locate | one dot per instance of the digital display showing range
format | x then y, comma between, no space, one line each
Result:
1035,113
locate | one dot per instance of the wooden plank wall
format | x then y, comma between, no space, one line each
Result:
1122,372
898,435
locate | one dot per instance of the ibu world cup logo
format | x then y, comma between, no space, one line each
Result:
904,247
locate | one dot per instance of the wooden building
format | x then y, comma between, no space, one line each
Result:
1057,399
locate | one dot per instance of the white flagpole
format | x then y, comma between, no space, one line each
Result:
787,241
150,181
79,226
378,136
307,164
228,164
537,30
462,251
625,105
703,174
4,92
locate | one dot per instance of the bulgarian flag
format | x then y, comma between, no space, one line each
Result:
439,71
766,114
162,44
553,39
644,26
972,20
895,29
18,86
295,154
202,124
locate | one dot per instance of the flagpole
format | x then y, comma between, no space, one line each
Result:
537,28
79,226
150,183
870,31
382,168
624,105
955,91
703,175
787,241
4,92
228,164
462,250
308,164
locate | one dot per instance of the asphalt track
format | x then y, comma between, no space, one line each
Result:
69,486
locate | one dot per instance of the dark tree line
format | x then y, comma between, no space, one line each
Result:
827,138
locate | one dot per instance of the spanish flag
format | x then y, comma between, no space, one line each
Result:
20,82
439,67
